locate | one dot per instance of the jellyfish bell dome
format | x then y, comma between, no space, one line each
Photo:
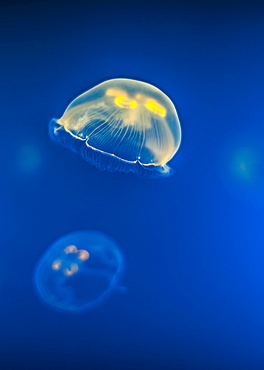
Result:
121,125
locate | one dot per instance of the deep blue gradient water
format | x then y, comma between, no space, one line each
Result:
193,243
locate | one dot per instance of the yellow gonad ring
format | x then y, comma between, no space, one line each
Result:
56,265
70,249
156,108
123,102
83,255
72,270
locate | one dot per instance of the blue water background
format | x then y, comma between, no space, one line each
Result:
193,243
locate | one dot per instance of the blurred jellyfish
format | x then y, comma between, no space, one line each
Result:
244,165
29,158
79,271
121,125
242,168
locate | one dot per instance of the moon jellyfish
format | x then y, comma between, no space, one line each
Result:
121,125
79,271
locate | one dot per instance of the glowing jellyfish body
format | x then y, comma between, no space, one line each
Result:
121,125
79,271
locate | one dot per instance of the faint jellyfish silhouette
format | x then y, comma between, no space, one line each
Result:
241,167
121,125
29,158
79,271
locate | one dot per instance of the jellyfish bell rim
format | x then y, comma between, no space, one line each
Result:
150,170
114,155
115,286
73,310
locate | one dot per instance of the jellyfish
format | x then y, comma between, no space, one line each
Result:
121,125
79,271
